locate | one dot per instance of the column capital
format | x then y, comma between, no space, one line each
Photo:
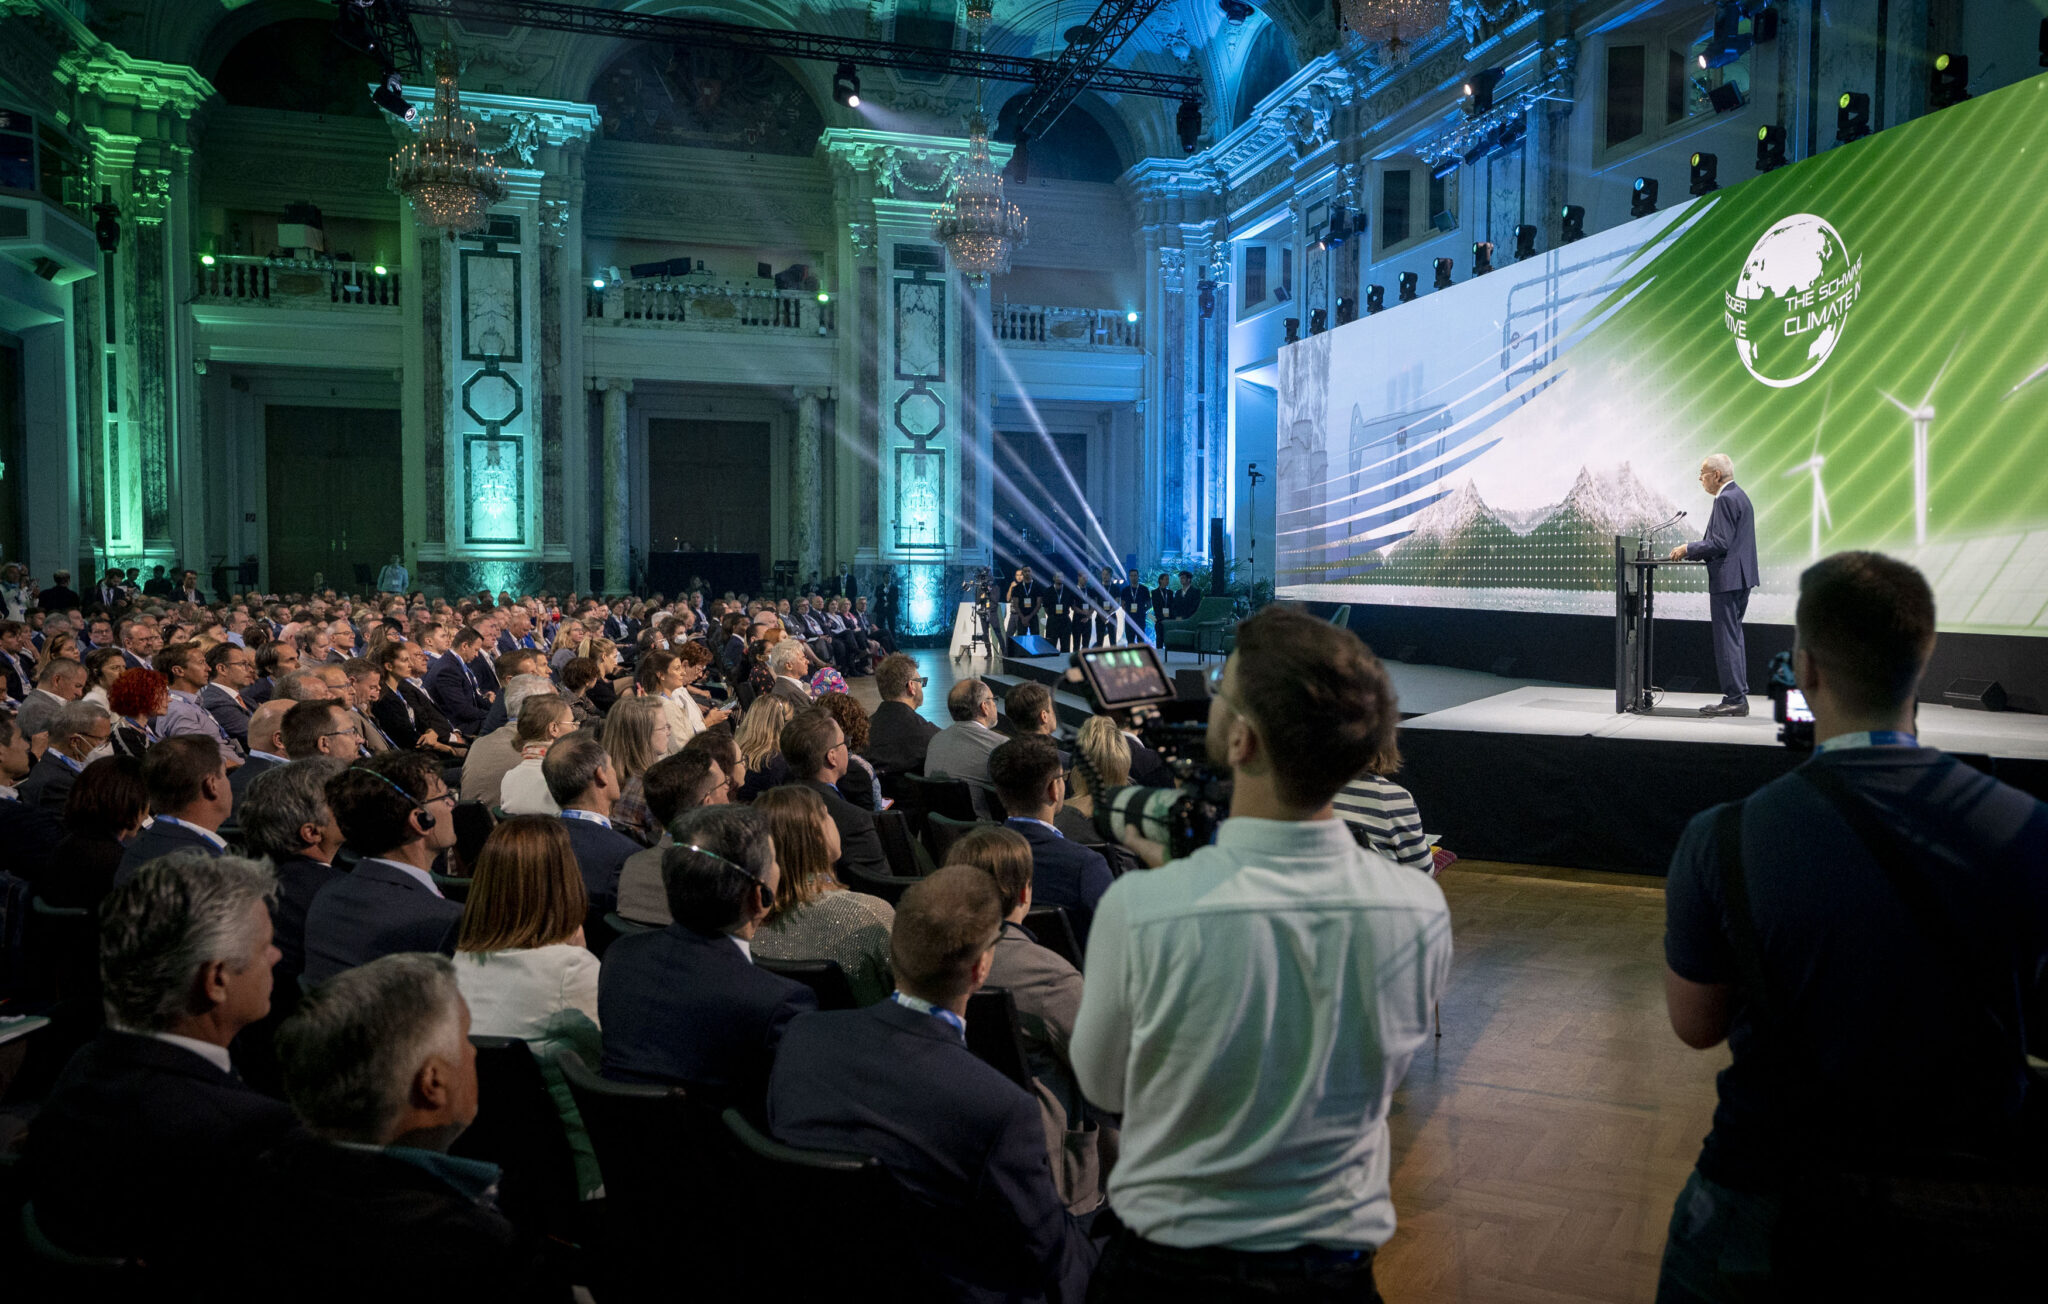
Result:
622,384
819,392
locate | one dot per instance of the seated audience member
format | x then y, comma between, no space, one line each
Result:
286,820
29,833
789,663
687,1005
232,669
266,750
274,660
306,684
521,962
583,787
189,797
322,727
1047,990
815,916
395,811
103,668
579,676
404,713
961,750
897,734
148,1131
896,1080
510,666
816,751
858,785
1220,1177
371,1205
73,734
675,784
1890,916
1027,709
138,698
760,742
524,790
453,685
105,811
724,751
635,737
1384,813
58,683
183,666
1100,746
1028,778
492,756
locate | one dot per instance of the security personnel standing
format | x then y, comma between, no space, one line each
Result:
1059,614
1023,598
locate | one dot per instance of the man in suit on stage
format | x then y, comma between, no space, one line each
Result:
1023,598
1162,602
1729,549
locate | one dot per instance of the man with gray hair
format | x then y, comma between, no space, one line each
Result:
788,661
961,750
148,1129
492,756
285,819
74,732
378,1063
63,680
1729,550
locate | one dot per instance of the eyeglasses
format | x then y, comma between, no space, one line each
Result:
1216,678
336,733
922,679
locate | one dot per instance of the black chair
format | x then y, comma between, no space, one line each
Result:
898,844
62,943
994,1036
452,887
824,977
890,888
949,797
942,831
519,1129
625,927
1055,932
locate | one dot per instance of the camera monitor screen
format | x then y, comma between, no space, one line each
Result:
1796,709
1126,676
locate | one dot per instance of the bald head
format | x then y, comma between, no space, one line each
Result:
267,724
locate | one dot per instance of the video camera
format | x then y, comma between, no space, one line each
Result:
1129,684
1788,706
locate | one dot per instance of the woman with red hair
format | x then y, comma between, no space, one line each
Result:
137,698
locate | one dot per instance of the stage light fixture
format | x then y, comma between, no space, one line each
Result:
1770,148
1408,283
1951,81
1444,268
1726,98
1510,133
1474,154
1445,167
846,85
1482,257
824,296
1318,321
1852,116
381,270
1525,242
1291,325
1375,299
1234,11
1188,122
1643,199
390,97
106,226
206,260
1479,91
1706,168
1728,42
1574,224
1132,316
597,282
1763,25
1347,311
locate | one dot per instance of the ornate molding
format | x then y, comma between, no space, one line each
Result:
554,222
109,74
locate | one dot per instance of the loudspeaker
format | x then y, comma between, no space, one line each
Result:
1030,645
1975,694
1219,562
1191,685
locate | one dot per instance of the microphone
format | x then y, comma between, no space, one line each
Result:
1659,529
1643,542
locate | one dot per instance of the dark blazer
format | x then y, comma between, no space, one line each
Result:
19,674
404,726
798,698
232,716
486,673
81,869
160,839
494,719
240,777
58,597
259,692
376,910
680,1006
1162,605
1186,601
48,785
174,1128
31,836
965,1142
1729,548
897,739
299,880
459,699
860,846
1064,873
761,778
1148,768
600,853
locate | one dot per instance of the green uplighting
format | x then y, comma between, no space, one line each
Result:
206,260
381,270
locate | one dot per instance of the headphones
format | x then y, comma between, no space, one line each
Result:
767,898
426,817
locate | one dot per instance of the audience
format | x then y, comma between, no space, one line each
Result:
30,833
789,662
961,750
815,916
635,737
142,1141
676,784
492,756
897,734
395,811
320,727
1027,709
1099,745
106,808
524,790
760,742
521,962
859,784
138,697
686,1005
1027,776
74,735
58,683
1383,813
584,786
189,799
286,820
232,668
896,1080
816,752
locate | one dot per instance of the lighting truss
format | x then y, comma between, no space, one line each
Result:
1086,63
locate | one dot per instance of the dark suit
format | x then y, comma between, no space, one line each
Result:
1064,873
405,715
58,597
81,869
860,847
160,839
486,673
17,671
158,588
600,853
1162,607
1186,602
897,738
48,785
132,1142
376,910
231,715
453,687
239,779
799,699
1148,768
31,836
299,880
258,692
1729,549
680,1006
965,1142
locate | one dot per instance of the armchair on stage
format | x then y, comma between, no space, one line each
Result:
1186,635
1635,604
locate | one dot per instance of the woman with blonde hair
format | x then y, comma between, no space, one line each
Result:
635,737
815,917
604,694
1103,746
525,790
521,963
760,740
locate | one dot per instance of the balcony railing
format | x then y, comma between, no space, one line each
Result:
286,282
714,308
1067,328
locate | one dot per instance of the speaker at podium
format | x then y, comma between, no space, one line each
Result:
1030,645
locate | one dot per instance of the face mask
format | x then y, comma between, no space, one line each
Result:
100,752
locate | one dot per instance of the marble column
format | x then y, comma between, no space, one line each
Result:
806,482
617,492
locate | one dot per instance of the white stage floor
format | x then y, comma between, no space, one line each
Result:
1589,712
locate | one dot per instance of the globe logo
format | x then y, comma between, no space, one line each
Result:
1792,300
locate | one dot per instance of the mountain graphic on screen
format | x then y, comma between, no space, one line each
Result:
1462,542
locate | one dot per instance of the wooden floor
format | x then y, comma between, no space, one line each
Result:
1538,1145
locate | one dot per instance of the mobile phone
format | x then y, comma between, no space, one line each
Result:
1796,709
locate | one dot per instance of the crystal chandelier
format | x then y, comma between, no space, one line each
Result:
978,225
1394,23
451,183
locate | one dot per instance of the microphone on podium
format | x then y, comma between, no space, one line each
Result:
1643,543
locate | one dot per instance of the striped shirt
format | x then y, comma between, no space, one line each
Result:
1386,814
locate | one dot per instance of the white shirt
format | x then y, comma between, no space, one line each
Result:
206,1050
1249,1011
525,790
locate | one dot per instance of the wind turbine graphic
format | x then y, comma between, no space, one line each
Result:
1811,466
2033,376
1922,417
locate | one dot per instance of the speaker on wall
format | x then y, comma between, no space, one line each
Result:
1975,694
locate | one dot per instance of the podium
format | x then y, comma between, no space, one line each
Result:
1635,608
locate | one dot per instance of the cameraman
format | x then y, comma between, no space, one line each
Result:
1284,954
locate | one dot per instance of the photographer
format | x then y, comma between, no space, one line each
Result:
1329,959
